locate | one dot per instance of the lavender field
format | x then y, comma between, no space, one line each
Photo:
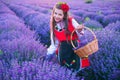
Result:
25,37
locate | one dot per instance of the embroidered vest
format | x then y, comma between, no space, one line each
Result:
61,36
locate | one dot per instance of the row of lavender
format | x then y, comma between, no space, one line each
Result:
21,55
37,21
101,13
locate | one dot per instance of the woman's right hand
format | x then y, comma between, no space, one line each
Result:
80,28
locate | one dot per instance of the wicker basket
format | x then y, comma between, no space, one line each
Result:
89,48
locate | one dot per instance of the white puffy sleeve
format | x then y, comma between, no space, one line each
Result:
76,24
52,48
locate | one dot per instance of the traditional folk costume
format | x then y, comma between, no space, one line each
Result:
64,48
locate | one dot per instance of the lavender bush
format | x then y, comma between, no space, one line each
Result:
9,29
111,11
100,18
78,13
35,70
37,21
29,22
115,74
7,16
11,35
23,49
93,24
91,15
36,8
117,11
3,70
114,26
111,18
107,58
18,42
21,11
97,8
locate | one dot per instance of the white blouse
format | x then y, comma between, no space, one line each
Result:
52,48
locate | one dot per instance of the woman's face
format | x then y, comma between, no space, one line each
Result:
58,15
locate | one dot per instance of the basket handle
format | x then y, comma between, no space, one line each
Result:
78,29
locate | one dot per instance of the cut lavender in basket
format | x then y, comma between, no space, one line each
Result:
83,41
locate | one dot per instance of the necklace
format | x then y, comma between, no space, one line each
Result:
60,26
